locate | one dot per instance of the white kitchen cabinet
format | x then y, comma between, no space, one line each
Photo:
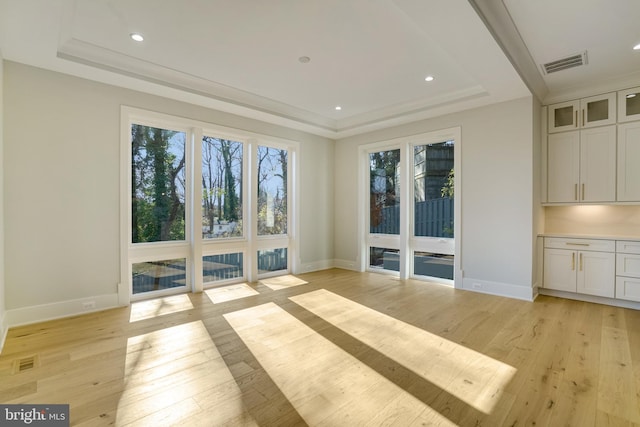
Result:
599,110
628,270
581,166
580,265
560,270
629,105
628,162
596,272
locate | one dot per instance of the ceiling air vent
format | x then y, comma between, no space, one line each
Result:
572,61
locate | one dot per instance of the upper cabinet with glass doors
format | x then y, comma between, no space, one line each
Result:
629,105
599,110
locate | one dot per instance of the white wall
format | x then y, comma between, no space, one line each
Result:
498,232
3,323
62,138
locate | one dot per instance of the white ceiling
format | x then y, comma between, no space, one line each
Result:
368,56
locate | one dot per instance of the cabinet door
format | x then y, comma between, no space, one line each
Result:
596,273
629,105
598,110
563,167
560,270
628,161
563,116
628,288
598,164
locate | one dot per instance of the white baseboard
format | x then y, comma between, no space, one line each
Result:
4,329
500,289
57,310
591,298
316,266
345,264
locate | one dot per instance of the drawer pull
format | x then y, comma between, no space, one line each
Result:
580,261
577,244
573,261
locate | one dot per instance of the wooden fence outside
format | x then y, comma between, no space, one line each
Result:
433,218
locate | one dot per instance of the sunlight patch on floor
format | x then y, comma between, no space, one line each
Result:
470,376
177,376
230,293
282,282
159,307
326,385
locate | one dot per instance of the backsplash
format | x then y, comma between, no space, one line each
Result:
606,220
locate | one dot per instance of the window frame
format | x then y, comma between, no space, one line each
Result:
406,242
194,247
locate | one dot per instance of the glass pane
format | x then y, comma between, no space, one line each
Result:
598,110
433,189
158,275
384,192
221,188
563,116
384,259
632,103
157,184
433,265
272,260
272,191
222,267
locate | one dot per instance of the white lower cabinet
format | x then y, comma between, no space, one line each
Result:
583,266
628,270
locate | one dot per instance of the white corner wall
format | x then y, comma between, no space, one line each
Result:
3,321
497,242
62,170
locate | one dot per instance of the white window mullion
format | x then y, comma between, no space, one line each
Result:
406,201
249,174
195,193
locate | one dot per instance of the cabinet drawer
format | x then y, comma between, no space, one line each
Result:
580,244
628,265
628,288
628,247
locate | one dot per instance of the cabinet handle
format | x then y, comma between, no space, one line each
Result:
573,261
576,118
580,261
577,244
582,191
582,117
575,191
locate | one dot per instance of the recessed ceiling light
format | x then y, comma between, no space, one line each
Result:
631,95
428,79
637,47
338,108
136,36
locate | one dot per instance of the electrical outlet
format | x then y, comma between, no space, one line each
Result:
88,305
476,285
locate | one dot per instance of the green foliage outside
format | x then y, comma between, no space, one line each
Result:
157,184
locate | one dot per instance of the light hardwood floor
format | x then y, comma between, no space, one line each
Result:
334,348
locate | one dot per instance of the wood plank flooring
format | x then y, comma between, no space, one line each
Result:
334,348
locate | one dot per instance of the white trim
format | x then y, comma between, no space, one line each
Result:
196,213
590,298
405,239
194,247
4,327
498,289
60,309
308,267
346,264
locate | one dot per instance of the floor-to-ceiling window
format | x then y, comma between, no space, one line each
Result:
202,205
411,203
